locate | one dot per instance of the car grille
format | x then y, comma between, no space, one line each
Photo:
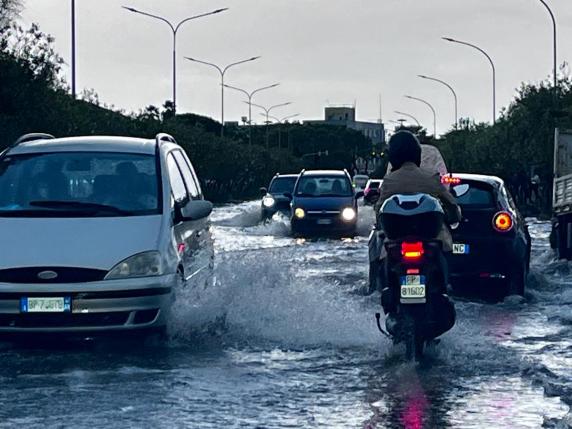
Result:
323,213
30,275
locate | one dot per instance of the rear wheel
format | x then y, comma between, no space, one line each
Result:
414,341
517,281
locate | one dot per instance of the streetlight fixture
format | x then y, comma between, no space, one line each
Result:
452,90
408,116
555,53
250,95
175,29
449,39
222,71
267,111
432,109
280,122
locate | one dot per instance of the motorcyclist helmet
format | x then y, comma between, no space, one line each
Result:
404,147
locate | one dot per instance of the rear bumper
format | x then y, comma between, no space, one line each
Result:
104,306
488,258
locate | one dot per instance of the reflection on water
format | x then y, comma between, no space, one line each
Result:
282,337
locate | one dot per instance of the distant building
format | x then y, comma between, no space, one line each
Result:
346,116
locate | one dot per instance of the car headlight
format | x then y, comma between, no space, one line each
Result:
299,213
144,264
348,214
268,201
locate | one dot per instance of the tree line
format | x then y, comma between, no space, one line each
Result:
34,97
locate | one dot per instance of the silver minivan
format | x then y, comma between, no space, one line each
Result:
96,233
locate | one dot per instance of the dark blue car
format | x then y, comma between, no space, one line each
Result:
274,197
324,203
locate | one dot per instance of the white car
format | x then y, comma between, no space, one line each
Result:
97,232
359,182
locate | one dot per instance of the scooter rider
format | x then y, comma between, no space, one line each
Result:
406,177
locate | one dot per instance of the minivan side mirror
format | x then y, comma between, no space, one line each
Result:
263,191
196,210
289,195
359,195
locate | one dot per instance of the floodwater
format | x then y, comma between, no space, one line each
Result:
281,336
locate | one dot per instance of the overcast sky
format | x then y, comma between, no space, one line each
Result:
322,51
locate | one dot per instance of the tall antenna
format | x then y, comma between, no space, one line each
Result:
380,110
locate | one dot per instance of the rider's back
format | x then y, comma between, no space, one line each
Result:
410,179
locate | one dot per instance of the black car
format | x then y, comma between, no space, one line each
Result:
324,203
274,199
491,249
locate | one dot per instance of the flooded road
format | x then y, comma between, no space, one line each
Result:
281,336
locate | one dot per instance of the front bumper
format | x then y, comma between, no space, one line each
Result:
102,306
314,225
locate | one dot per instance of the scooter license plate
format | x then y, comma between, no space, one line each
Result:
413,290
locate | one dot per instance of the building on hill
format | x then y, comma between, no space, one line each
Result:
346,116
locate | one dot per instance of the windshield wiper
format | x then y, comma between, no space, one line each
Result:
80,205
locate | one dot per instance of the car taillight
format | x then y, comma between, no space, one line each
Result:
503,222
412,251
450,180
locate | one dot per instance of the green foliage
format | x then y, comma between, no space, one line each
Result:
522,138
34,98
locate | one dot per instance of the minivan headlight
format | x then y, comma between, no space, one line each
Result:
299,213
146,264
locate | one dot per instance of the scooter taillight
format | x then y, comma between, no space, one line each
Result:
412,251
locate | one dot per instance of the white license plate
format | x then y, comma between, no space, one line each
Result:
413,289
461,249
45,305
412,292
324,221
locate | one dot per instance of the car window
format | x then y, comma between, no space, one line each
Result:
373,184
332,186
477,197
176,179
192,185
281,185
86,184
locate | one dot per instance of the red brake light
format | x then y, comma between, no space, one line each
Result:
450,180
412,251
503,222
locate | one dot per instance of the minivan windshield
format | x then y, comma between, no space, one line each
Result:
281,185
325,186
78,184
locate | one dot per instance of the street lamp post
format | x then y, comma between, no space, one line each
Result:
408,116
73,85
432,109
222,72
175,29
250,95
280,123
555,53
452,91
448,39
267,111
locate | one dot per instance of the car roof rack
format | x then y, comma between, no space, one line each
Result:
27,138
163,137
31,137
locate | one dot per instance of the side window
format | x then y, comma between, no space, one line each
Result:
188,176
176,180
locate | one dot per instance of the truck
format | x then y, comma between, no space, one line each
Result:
561,236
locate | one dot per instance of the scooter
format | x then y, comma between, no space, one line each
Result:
413,294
